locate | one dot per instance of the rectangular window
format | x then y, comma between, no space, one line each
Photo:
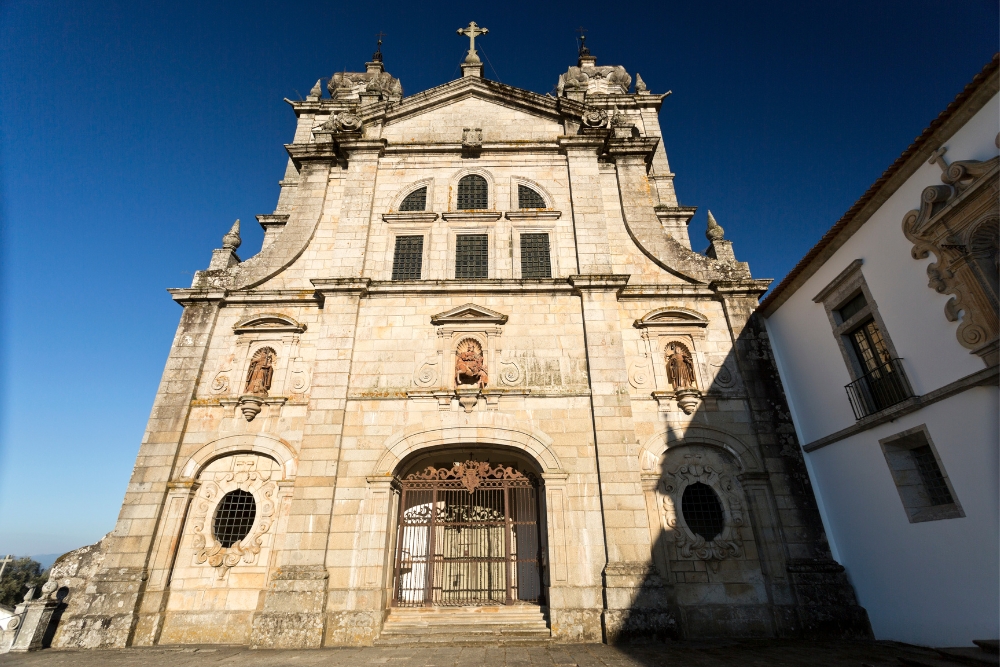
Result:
535,260
870,346
930,475
472,256
408,259
920,479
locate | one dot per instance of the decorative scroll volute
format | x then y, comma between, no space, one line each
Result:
470,473
957,223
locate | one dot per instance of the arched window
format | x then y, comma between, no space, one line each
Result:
703,511
234,517
528,198
415,201
473,193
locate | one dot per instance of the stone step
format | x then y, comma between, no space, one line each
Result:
466,626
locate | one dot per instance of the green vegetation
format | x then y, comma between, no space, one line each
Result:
18,576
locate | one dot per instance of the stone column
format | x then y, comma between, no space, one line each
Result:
168,538
112,600
294,609
633,603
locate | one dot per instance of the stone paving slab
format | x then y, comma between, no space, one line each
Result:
715,653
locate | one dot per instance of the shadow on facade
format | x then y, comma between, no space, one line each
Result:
738,546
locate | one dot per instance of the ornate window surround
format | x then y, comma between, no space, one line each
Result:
244,475
945,225
689,546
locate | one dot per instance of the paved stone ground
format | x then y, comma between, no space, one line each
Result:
728,653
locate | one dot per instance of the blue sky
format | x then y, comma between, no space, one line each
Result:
133,134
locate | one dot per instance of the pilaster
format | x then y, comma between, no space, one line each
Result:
633,603
593,250
294,607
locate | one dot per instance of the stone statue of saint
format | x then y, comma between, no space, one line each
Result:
469,367
260,373
680,367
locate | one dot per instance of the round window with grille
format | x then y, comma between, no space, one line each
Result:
234,517
702,511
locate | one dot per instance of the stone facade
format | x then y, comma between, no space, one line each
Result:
354,379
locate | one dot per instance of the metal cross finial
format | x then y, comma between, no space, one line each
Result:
377,57
472,31
584,51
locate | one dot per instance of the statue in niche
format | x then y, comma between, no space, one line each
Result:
260,373
680,367
469,368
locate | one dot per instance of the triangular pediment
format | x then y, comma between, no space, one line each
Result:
268,322
469,313
504,113
671,317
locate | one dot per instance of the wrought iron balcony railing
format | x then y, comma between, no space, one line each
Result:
879,389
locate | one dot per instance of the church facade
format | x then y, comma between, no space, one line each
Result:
475,365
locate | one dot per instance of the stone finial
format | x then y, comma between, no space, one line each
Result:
640,85
714,232
317,90
472,31
231,241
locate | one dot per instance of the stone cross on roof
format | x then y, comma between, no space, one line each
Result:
472,31
3,564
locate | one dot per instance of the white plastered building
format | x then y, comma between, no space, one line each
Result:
885,335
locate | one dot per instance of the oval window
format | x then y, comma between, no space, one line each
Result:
702,511
234,517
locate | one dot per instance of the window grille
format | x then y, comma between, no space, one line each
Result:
408,259
930,475
472,256
702,511
415,201
473,193
234,517
528,198
535,260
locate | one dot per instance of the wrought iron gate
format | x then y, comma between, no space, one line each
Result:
468,535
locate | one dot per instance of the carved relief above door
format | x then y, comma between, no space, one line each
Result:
958,222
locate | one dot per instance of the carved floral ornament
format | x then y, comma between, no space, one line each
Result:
728,543
957,222
245,476
472,474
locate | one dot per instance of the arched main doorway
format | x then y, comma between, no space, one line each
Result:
469,530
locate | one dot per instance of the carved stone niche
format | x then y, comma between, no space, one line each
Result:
249,378
464,362
672,359
958,223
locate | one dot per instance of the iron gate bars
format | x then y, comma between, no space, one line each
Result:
468,535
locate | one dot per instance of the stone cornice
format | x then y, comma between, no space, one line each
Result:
472,216
581,142
486,149
468,287
986,377
186,297
602,282
749,287
667,290
326,286
533,215
632,147
410,217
